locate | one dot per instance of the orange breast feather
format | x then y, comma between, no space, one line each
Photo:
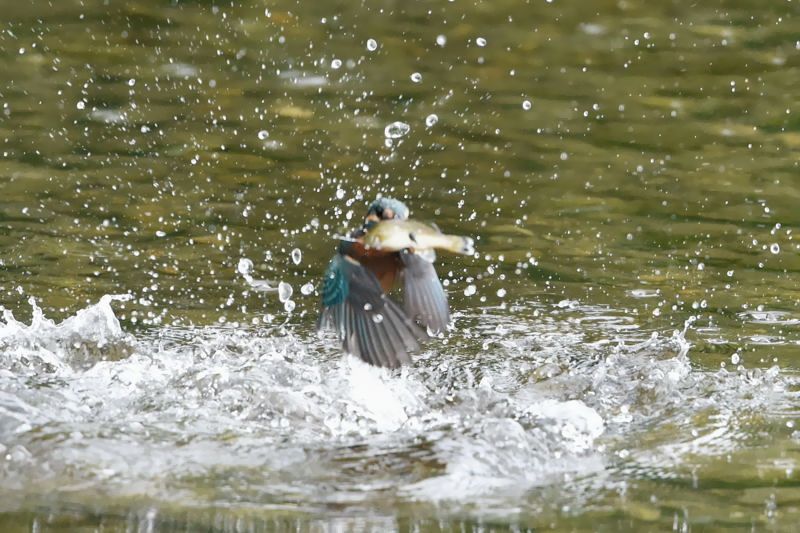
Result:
385,265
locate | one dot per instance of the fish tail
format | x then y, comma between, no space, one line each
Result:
459,245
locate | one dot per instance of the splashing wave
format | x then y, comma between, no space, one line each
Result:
217,415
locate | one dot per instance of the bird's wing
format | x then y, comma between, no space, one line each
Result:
425,300
369,324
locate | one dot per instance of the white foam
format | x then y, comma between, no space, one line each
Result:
86,407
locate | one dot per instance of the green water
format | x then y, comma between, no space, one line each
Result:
623,162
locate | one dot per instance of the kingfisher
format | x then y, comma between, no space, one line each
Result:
388,249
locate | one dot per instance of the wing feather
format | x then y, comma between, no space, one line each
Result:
425,299
369,324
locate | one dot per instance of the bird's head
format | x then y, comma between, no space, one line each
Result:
385,209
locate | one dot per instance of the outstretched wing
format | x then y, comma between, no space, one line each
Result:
425,300
369,324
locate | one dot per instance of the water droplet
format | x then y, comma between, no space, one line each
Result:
395,130
336,64
441,40
81,104
527,105
470,290
245,266
377,318
416,77
501,292
284,291
372,45
289,305
297,256
775,248
480,41
367,306
735,358
307,289
263,134
431,120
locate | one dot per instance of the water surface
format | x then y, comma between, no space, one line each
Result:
625,350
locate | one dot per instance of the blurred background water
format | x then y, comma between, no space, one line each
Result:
625,353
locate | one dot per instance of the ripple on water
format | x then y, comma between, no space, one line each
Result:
304,79
108,116
769,317
180,70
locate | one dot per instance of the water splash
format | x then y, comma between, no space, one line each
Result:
396,130
173,411
245,269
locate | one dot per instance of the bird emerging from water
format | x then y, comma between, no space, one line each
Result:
387,249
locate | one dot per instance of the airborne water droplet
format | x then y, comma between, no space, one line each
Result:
307,289
431,120
263,134
480,41
289,305
416,77
377,318
372,45
395,130
245,266
775,248
527,105
297,256
470,290
284,291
